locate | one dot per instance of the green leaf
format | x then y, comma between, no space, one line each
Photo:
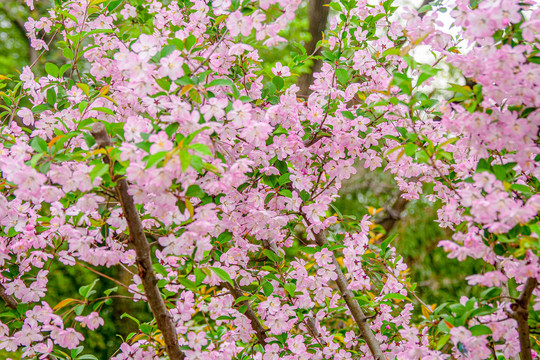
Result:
195,191
197,163
220,82
188,284
268,289
309,249
410,149
199,276
522,188
478,330
395,296
39,145
87,357
534,59
269,197
286,192
278,82
203,149
104,110
403,82
76,351
129,317
189,42
223,275
185,159
290,288
52,69
284,179
85,88
387,242
79,309
272,256
51,97
98,170
224,237
164,83
111,290
241,299
442,341
349,115
268,268
425,8
155,158
86,291
342,76
171,129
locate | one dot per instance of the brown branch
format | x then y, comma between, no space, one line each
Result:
143,260
10,300
355,309
393,214
318,17
520,312
256,325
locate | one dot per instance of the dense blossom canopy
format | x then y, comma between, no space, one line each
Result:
163,147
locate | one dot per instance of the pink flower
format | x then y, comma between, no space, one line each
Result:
28,335
296,344
197,340
239,24
280,70
68,338
128,11
315,211
27,116
171,66
161,142
214,108
92,321
323,257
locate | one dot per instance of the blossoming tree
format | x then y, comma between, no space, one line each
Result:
161,146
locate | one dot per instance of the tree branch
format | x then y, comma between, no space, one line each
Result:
10,300
393,214
250,314
352,304
318,17
143,260
520,312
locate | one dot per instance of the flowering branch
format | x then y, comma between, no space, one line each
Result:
250,314
10,301
144,260
520,312
355,309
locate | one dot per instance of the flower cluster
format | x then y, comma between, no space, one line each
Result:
164,148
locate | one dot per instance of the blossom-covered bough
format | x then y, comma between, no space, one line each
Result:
161,146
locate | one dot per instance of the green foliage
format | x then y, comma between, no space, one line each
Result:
437,277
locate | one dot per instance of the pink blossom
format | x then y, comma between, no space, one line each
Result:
92,321
280,70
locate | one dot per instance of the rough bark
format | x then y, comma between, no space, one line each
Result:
144,261
393,214
10,301
520,312
318,17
